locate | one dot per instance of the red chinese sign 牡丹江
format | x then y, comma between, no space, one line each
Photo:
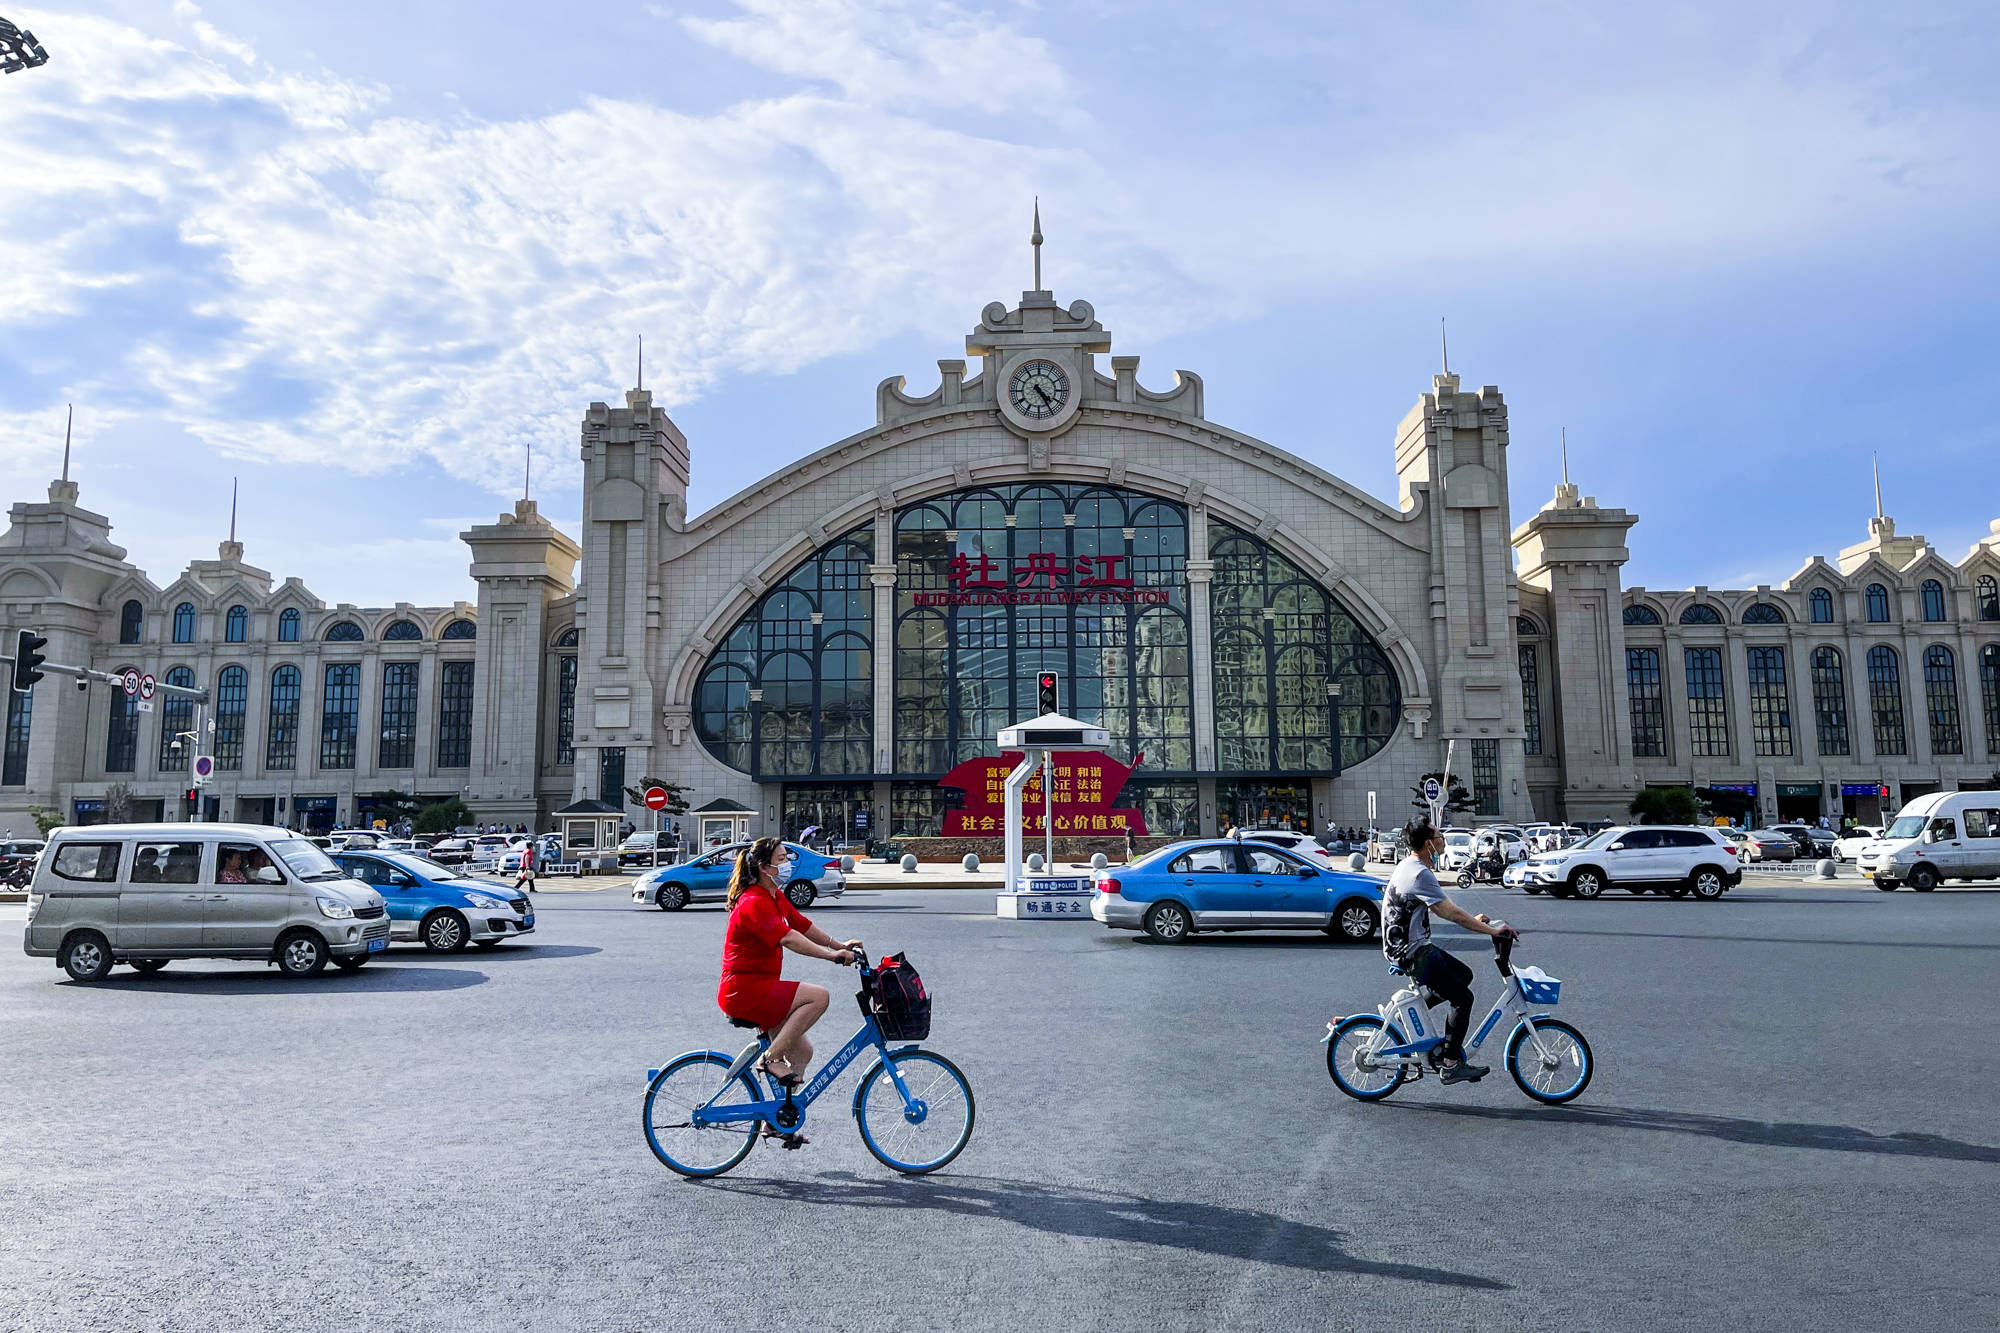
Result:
1084,785
1042,578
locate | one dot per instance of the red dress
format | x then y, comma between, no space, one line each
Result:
751,987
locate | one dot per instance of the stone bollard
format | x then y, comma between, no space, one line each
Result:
971,862
846,865
1099,861
909,863
1035,862
1358,862
1825,870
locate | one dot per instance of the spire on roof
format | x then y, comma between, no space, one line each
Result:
232,509
1565,455
1877,458
1035,242
1444,345
71,421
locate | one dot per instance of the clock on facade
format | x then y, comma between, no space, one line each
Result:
1038,389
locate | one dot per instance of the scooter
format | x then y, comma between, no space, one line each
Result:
1485,869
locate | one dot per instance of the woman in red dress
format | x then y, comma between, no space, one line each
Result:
761,922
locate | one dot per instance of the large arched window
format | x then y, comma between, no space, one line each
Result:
1300,686
1531,699
460,629
232,704
790,693
1988,596
1770,701
288,625
566,698
236,625
132,622
184,623
1821,602
121,737
1829,682
1641,615
1763,613
1708,714
344,631
1877,601
177,739
1933,599
281,744
402,631
1701,613
339,716
1642,688
1885,700
1989,686
1941,700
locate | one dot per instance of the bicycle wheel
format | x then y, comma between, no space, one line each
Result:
1343,1054
922,1137
697,1150
1559,1077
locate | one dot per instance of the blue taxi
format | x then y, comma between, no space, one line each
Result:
705,879
1225,885
442,907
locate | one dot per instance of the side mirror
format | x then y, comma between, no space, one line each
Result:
354,872
1930,835
267,875
1615,847
1308,872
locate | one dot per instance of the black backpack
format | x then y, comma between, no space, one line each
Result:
900,1004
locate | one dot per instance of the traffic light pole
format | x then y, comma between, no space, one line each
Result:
196,692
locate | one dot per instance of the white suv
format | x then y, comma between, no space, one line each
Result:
1674,860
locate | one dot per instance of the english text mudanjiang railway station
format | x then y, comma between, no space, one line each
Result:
838,644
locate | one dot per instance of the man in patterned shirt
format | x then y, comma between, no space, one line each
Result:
1408,900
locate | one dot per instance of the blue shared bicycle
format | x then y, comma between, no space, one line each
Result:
705,1110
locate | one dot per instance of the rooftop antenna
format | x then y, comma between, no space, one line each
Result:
66,426
1445,345
1878,483
1035,240
1565,455
232,509
527,467
642,361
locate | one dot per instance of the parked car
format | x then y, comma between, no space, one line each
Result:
1810,840
705,879
1766,845
437,905
639,849
1848,846
20,849
1188,888
1946,835
545,852
397,845
146,894
1297,843
450,851
1675,860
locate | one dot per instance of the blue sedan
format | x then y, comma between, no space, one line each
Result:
705,879
443,908
1224,885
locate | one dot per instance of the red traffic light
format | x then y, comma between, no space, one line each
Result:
1045,692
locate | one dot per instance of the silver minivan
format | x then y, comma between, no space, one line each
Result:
146,894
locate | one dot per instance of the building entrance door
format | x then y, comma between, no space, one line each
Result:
836,813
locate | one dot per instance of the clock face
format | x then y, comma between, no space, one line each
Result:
1038,389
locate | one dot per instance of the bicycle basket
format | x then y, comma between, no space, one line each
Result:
899,1002
1537,986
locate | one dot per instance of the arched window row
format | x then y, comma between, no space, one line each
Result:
1701,613
1822,606
1763,613
1641,615
236,626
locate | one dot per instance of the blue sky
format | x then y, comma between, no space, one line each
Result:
365,255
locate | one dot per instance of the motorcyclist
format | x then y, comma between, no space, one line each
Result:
1408,900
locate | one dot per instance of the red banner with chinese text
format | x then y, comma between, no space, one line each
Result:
1084,786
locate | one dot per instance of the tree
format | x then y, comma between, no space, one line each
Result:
118,804
1665,805
394,807
677,795
443,816
1456,800
46,820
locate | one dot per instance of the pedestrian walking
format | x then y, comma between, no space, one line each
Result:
1131,847
526,879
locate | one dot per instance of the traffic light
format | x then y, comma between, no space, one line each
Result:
1045,692
28,659
193,799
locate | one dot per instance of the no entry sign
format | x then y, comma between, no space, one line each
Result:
656,798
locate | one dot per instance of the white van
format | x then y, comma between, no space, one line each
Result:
146,894
1946,835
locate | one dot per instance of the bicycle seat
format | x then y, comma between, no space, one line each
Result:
742,1023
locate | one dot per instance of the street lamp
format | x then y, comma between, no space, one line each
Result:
19,50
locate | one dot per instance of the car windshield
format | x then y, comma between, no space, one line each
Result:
305,860
1906,826
1458,839
1596,840
422,865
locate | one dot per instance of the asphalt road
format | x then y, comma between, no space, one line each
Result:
1791,1127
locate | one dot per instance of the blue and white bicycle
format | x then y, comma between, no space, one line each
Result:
1371,1055
705,1110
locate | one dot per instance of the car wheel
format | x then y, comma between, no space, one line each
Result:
802,895
444,931
1707,884
353,964
1167,922
1532,888
671,897
301,954
148,965
1923,879
1586,884
86,956
1354,921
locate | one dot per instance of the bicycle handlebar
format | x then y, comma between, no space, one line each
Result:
1503,947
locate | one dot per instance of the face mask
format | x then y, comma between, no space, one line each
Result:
782,873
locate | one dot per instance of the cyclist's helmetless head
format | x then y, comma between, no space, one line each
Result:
1423,837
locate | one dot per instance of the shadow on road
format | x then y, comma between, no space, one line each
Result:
1771,939
1757,1133
372,980
1202,1228
504,953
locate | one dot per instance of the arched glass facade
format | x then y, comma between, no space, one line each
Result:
997,584
1933,597
1641,615
1763,613
344,631
1877,602
402,631
177,724
790,693
1701,613
460,629
288,625
1821,602
132,622
236,625
184,623
1988,595
232,706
